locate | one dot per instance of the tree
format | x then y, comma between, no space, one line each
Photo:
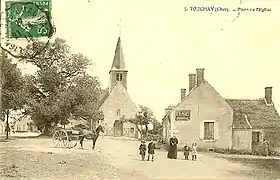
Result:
61,88
157,128
86,91
144,117
12,91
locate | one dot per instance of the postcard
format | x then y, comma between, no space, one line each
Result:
140,89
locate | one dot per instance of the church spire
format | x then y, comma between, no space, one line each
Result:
118,62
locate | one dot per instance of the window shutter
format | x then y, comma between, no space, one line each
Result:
201,132
216,130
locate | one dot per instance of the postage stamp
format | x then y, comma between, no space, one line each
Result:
26,22
28,19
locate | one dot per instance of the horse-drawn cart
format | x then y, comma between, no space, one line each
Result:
66,138
69,138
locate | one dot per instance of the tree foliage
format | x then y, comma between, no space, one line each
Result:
12,83
144,117
61,88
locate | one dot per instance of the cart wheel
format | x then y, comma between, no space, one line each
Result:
72,142
60,138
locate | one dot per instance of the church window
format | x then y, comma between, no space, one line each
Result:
118,112
132,130
119,77
209,130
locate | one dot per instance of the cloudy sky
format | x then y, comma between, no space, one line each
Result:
162,44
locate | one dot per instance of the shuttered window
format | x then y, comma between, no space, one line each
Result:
209,130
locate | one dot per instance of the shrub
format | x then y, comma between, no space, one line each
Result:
232,151
275,151
222,151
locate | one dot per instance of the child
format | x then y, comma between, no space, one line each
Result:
142,149
186,151
151,150
194,151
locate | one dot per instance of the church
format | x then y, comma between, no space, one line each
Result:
116,102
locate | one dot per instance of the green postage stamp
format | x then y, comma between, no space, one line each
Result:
28,19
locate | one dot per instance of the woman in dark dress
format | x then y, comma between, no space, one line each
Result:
172,152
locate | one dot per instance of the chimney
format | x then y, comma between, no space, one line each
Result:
200,76
192,81
183,93
268,95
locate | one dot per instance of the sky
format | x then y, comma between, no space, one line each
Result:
163,44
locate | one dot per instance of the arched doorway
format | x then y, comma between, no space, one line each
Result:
118,128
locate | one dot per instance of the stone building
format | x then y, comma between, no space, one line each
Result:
116,102
205,117
25,124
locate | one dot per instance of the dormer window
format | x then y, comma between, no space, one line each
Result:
119,77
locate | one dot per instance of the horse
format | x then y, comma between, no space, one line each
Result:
89,135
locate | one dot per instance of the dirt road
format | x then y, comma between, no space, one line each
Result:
112,159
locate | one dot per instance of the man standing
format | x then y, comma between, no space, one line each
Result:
7,130
151,149
172,152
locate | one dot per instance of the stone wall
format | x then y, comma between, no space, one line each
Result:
242,140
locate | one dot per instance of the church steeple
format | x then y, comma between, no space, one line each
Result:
118,72
118,62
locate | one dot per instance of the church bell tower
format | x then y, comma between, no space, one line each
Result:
118,72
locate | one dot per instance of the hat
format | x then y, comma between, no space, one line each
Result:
142,141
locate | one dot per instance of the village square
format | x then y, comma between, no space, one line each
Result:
223,130
130,104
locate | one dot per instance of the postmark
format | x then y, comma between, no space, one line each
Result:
26,22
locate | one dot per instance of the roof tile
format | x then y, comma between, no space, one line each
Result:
258,113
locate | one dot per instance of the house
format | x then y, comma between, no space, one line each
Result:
254,121
74,122
116,102
24,124
2,127
205,117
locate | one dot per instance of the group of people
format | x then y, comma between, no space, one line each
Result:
151,150
172,151
193,150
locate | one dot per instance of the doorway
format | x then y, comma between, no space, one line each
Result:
118,128
255,140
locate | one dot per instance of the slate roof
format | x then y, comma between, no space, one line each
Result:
104,97
240,121
256,111
118,62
